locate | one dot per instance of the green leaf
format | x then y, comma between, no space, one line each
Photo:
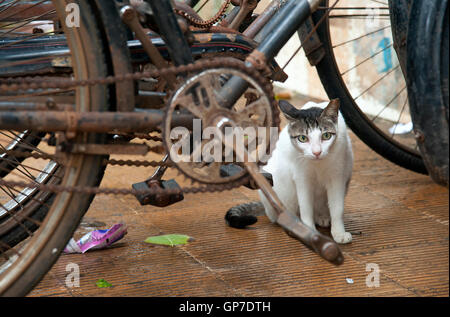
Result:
169,239
102,283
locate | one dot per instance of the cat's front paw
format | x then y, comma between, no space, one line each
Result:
342,237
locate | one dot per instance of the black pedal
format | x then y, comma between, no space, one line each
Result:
232,169
159,199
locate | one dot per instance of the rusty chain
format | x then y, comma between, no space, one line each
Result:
22,84
208,23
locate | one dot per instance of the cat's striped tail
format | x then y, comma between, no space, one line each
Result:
244,215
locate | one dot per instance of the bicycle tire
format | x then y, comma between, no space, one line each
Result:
358,122
427,68
65,211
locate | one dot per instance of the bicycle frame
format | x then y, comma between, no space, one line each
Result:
276,32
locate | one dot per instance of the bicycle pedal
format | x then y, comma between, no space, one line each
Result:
232,169
160,199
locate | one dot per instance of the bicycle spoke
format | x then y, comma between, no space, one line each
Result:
23,10
375,83
358,16
366,59
22,144
20,141
40,202
388,104
360,37
399,117
28,167
380,2
25,172
20,223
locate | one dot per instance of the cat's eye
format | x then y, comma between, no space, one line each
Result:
326,136
303,138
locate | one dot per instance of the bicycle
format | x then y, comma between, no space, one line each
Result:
76,88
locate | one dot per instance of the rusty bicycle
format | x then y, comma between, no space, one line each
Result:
83,80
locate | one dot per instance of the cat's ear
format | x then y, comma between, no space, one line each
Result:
288,110
331,110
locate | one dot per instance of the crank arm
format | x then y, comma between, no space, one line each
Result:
159,173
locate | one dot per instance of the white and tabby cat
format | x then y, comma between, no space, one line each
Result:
311,168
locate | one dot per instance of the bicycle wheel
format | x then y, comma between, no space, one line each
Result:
35,225
361,68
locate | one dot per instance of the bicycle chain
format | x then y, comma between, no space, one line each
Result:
208,23
20,84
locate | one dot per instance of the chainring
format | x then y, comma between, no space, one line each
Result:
256,111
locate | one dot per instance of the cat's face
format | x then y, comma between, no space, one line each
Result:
313,130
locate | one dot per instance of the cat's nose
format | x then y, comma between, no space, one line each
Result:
317,154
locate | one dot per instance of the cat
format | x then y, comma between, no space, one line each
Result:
311,168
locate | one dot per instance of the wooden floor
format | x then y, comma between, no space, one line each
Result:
402,218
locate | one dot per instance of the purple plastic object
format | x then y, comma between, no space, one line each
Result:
97,239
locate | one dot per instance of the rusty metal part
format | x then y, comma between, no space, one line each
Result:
150,99
35,106
219,29
16,85
161,199
118,122
246,7
130,17
229,17
263,18
259,61
170,193
200,23
123,122
103,121
187,9
199,97
311,43
100,122
104,149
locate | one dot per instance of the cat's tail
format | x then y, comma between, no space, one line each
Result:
244,215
